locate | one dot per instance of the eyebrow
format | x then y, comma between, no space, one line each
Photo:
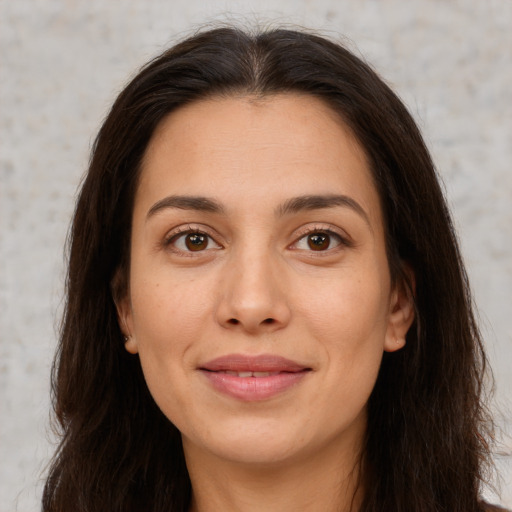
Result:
290,206
320,202
198,203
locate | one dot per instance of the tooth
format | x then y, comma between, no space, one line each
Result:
261,374
245,374
229,372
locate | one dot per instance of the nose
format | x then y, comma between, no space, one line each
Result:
253,295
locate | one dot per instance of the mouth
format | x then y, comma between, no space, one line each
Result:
253,378
244,375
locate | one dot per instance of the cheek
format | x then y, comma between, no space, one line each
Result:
349,309
166,309
165,337
349,321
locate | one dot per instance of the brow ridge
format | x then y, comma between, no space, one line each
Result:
199,203
319,202
290,206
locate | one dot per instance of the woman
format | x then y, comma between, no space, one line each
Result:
267,308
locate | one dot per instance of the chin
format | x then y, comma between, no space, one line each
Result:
256,442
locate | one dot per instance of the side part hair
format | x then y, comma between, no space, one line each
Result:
426,441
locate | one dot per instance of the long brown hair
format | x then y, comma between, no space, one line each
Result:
427,434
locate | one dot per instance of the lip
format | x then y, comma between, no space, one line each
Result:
284,374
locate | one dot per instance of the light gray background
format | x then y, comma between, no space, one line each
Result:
63,62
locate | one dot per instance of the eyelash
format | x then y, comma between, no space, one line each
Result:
183,231
343,240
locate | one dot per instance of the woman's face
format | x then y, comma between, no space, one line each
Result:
260,300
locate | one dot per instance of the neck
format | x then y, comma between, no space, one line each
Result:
327,482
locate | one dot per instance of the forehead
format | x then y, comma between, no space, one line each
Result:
262,148
300,121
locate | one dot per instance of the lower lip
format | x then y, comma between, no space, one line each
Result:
253,388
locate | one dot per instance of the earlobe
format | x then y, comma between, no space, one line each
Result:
130,344
401,314
124,317
120,296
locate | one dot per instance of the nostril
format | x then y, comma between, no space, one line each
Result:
268,321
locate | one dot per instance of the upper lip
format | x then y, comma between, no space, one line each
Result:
247,363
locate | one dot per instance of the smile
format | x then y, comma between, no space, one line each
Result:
250,374
253,378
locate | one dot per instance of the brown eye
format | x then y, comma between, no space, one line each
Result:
196,241
319,241
192,241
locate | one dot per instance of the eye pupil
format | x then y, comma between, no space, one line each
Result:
196,242
318,241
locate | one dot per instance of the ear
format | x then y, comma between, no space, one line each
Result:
121,296
125,319
401,311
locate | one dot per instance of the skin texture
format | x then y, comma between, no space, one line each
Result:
257,287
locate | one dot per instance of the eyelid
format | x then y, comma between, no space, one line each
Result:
326,228
179,231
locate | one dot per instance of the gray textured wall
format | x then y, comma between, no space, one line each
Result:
62,62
